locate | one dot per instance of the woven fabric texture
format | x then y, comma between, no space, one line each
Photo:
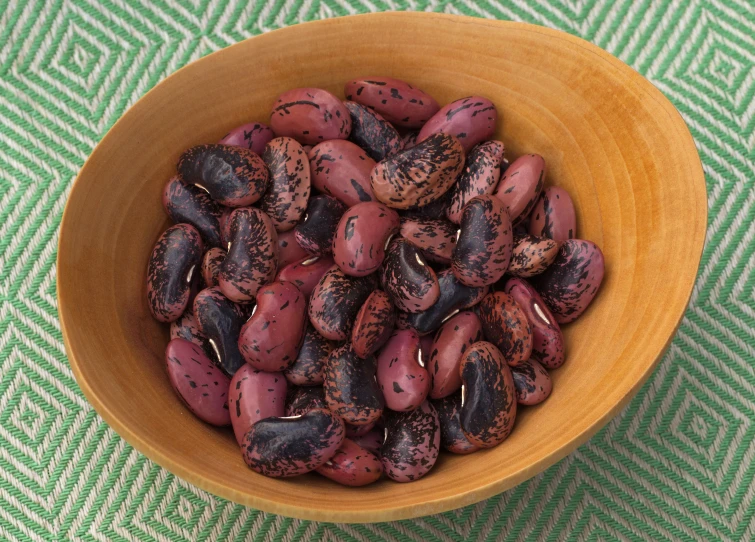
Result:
680,468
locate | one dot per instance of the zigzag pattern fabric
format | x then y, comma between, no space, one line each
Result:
677,464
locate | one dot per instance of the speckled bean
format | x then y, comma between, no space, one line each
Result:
488,396
472,120
531,255
187,204
186,327
420,175
353,431
252,256
401,373
253,396
286,198
450,343
335,302
176,257
253,135
521,185
220,320
289,250
436,237
352,465
351,388
270,339
373,324
409,141
283,447
553,215
306,273
407,279
342,169
225,232
198,382
233,176
412,443
309,366
569,285
315,233
505,324
211,263
360,239
372,132
547,340
532,383
398,102
452,438
302,400
435,209
480,176
310,115
372,441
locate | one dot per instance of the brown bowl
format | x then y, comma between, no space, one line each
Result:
608,136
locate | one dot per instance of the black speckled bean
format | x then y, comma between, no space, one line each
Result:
412,443
309,366
401,372
289,249
310,115
480,176
471,120
372,132
315,233
187,328
531,255
220,320
253,396
352,466
360,239
336,301
532,383
253,136
191,205
450,343
373,324
505,324
351,388
553,215
521,185
436,237
286,198
306,273
397,101
301,400
410,283
212,261
451,436
342,169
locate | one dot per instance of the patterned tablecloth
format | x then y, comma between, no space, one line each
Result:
677,464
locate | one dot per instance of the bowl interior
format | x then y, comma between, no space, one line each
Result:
607,135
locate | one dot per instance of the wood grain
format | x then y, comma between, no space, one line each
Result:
607,135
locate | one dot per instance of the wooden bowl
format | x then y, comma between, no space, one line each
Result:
608,136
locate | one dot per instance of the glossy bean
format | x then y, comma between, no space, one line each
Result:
353,431
351,388
285,200
174,260
361,237
302,400
342,169
310,115
449,345
372,132
289,250
398,102
252,256
253,396
480,176
452,438
186,327
270,339
420,175
220,320
521,185
472,120
186,204
212,261
531,255
352,466
233,176
335,302
505,324
407,279
253,136
373,325
553,215
401,372
283,447
547,340
483,248
412,443
372,441
306,273
198,382
315,233
532,383
488,396
309,366
436,237
571,282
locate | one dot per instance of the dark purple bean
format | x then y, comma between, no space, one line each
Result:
310,115
253,396
553,215
286,198
220,320
448,347
401,372
342,169
436,237
472,120
412,443
409,141
225,232
315,233
282,447
212,261
505,324
352,466
351,388
353,431
186,204
306,273
532,383
302,400
289,249
398,102
373,324
372,132
335,302
435,209
531,255
186,327
361,237
174,260
309,366
233,176
407,279
488,397
480,176
372,441
521,185
451,436
253,136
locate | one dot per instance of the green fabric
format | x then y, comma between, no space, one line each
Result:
677,464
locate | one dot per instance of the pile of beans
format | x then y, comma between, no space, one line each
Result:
366,281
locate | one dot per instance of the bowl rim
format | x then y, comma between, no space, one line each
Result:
441,504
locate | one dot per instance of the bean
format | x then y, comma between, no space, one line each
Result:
315,233
270,339
335,302
191,205
289,249
352,465
409,141
401,373
174,260
531,255
407,279
398,102
186,327
411,444
351,389
505,324
488,400
472,120
435,209
436,237
341,169
225,231
373,325
286,198
450,343
553,215
310,115
309,366
353,431
532,383
483,249
372,441
233,176
253,396
420,175
252,256
306,273
253,136
283,447
372,132
361,237
571,282
452,438
196,380
521,185
220,320
302,400
212,261
480,176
